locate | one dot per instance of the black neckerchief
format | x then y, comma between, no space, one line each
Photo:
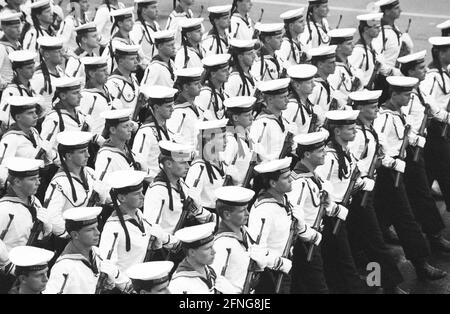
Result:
326,85
127,154
263,194
90,262
300,168
59,112
240,237
150,121
279,120
29,136
118,73
28,90
30,206
364,129
341,155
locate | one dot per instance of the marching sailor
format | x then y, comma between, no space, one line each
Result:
292,50
317,24
8,43
216,41
151,277
181,12
191,53
241,24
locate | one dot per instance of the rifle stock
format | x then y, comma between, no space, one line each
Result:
151,242
317,223
251,167
371,174
103,276
422,129
41,151
402,153
252,265
347,197
287,250
287,145
94,196
5,231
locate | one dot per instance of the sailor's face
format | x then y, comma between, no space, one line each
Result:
244,120
248,58
223,22
245,5
323,10
222,74
205,254
130,62
280,101
101,75
29,185
401,98
46,16
26,71
89,235
195,36
123,130
36,281
168,49
79,157
419,71
13,31
347,132
28,118
151,11
92,39
346,48
284,183
179,168
127,24
328,66
369,112
84,5
275,41
194,88
55,56
165,110
299,25
396,12
306,87
317,157
445,55
239,216
135,199
374,29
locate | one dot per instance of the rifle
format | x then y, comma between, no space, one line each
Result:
376,68
224,268
139,105
317,223
151,242
339,22
287,250
64,283
250,170
347,195
41,151
252,265
402,153
94,196
287,145
372,168
103,276
312,124
5,231
228,181
38,225
256,32
422,129
188,206
85,126
404,50
199,176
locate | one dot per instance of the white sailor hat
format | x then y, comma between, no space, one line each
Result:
415,58
122,14
311,141
72,140
116,116
190,25
274,87
442,42
19,104
234,195
402,83
176,151
67,83
282,165
10,18
302,72
80,217
239,104
270,29
147,2
40,5
365,97
215,62
219,11
163,36
23,167
371,18
316,2
158,94
342,117
145,276
242,45
50,42
323,52
387,4
292,15
20,58
340,35
445,28
125,49
30,258
196,236
212,124
94,62
189,74
125,181
86,28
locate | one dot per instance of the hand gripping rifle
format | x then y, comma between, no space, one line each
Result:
346,200
93,199
371,82
402,153
421,132
250,171
252,266
41,151
287,251
38,225
224,268
317,223
151,242
312,124
85,126
103,276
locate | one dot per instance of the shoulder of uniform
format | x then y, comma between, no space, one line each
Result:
206,88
